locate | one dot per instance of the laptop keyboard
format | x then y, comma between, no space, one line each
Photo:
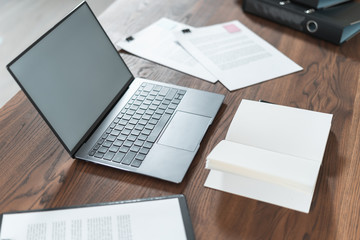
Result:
133,132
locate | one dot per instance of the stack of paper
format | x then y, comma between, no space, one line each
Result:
228,52
271,153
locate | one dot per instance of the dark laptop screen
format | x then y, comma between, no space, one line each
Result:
72,74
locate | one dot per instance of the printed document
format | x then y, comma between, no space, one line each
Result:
160,219
271,153
236,56
157,43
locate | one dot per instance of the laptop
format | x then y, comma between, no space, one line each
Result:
82,88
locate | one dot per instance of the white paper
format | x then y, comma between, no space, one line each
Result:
157,43
272,153
235,55
292,131
260,190
282,169
160,219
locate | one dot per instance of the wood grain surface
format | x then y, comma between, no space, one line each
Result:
36,172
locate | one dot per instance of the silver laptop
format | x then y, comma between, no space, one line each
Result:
83,89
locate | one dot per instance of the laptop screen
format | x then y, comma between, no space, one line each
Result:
72,74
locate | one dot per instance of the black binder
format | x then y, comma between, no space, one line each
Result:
334,24
320,3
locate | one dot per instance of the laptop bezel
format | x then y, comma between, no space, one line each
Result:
106,110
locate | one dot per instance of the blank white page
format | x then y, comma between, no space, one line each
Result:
293,131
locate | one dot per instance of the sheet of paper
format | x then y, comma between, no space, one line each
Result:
235,55
260,190
282,169
160,219
157,43
292,131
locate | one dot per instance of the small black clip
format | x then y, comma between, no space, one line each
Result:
186,30
263,101
129,39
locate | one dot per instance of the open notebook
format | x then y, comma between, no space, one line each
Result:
271,153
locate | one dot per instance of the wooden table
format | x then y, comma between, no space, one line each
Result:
36,172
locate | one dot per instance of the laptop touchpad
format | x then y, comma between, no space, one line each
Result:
185,131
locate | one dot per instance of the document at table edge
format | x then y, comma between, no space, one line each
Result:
161,217
157,43
236,56
285,177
